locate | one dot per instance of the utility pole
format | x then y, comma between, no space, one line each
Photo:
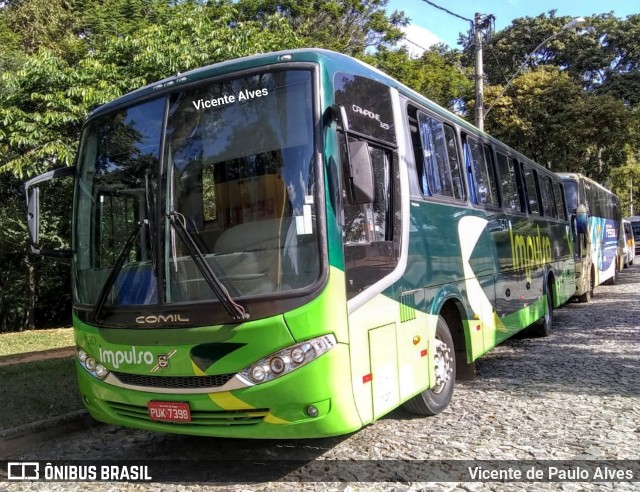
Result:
480,22
477,32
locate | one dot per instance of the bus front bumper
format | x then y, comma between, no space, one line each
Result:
315,400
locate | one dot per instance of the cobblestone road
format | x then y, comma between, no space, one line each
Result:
572,396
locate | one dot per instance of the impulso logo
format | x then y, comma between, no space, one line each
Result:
529,251
131,356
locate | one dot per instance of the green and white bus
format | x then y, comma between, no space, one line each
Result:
293,244
597,218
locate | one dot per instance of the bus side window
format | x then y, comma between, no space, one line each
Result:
440,173
483,179
548,202
508,178
531,189
559,199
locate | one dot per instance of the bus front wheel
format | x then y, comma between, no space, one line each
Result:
586,297
433,401
542,328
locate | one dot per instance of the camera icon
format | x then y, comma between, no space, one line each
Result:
23,470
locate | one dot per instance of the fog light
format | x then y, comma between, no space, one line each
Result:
82,355
312,411
101,371
277,365
90,363
258,373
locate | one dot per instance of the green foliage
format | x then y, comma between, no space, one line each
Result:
45,24
625,182
437,74
550,118
346,26
44,103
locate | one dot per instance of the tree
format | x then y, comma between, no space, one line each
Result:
348,26
437,74
45,101
550,118
625,182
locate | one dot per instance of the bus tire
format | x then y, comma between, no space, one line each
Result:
586,297
435,400
543,327
612,280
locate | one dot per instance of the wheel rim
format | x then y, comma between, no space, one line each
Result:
443,365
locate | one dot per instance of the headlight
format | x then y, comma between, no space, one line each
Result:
101,371
82,355
91,365
287,360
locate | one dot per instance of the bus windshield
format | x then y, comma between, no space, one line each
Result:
232,160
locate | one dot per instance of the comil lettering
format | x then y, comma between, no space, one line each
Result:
153,319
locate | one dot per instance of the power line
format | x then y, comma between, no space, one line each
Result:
448,11
407,40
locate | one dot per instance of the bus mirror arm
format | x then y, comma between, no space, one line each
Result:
32,191
339,115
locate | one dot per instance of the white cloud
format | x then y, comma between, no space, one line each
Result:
418,39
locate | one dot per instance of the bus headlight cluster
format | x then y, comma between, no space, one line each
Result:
92,366
288,359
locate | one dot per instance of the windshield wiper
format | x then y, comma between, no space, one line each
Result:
115,271
235,310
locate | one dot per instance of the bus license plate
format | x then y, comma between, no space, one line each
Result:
169,411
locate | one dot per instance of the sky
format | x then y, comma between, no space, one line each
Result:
430,25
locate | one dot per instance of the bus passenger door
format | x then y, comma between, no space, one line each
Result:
371,249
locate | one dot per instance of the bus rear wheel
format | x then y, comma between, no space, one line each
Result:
613,279
433,401
542,328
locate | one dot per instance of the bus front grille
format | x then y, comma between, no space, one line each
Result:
173,382
198,417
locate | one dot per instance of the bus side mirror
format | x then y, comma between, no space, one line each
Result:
359,169
32,190
581,219
360,173
33,218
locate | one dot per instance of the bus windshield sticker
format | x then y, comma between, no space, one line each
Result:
243,95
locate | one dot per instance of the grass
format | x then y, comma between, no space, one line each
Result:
32,391
29,392
35,340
